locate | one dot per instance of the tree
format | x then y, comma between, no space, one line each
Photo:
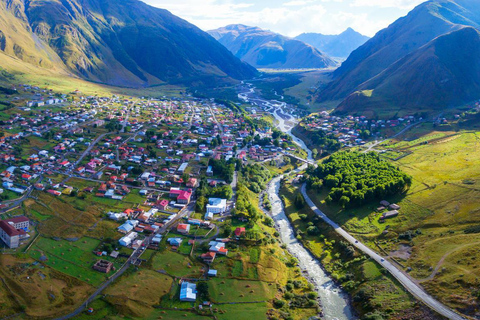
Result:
201,204
299,201
202,289
314,153
344,201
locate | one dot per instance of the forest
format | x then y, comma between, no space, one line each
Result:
357,178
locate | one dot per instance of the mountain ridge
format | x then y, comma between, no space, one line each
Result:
339,46
266,49
114,42
407,35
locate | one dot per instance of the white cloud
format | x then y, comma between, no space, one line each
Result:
401,4
291,17
297,3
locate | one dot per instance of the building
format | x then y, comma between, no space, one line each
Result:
182,196
182,168
209,171
183,228
127,240
239,231
188,292
12,231
216,205
103,266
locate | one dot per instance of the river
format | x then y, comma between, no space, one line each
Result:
335,302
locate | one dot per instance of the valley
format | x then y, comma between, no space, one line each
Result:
154,170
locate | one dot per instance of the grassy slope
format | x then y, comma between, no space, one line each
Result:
439,204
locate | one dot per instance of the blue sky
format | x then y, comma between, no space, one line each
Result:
291,17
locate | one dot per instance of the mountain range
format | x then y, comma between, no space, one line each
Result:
338,46
265,49
125,43
426,60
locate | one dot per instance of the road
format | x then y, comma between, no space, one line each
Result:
376,143
133,258
404,279
87,151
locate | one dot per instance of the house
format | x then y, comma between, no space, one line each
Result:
389,215
127,226
208,257
183,197
394,206
216,205
209,171
384,203
218,247
13,230
239,231
128,239
175,241
103,266
182,168
183,228
192,183
188,292
163,205
212,273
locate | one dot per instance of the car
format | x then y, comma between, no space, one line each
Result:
356,241
382,260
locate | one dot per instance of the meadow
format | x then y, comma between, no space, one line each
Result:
429,236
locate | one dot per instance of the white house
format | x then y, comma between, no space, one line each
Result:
216,205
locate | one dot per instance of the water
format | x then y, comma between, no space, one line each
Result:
334,300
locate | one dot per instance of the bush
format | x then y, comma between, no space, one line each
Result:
278,303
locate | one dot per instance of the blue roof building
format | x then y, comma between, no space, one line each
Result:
188,292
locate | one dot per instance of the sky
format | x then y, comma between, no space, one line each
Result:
291,17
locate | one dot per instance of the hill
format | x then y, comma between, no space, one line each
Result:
339,46
265,49
422,25
126,43
446,72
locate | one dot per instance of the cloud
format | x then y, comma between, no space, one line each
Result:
291,17
401,4
297,3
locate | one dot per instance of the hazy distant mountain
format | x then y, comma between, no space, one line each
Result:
395,50
117,42
339,46
265,49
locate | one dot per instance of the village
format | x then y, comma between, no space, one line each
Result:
125,181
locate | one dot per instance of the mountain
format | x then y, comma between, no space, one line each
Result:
118,42
265,49
446,72
405,36
339,46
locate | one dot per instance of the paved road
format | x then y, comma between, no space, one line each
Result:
376,143
405,280
137,253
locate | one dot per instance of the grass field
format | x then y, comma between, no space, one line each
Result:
175,264
442,202
73,258
40,291
230,290
255,311
135,293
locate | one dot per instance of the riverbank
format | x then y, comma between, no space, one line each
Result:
373,291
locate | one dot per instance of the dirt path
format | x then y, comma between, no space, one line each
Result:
442,260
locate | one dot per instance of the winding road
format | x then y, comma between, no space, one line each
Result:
409,284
